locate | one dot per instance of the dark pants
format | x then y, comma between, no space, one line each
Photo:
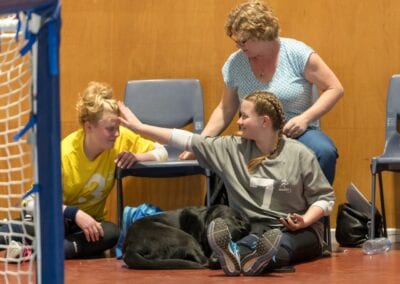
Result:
75,244
324,149
295,247
24,233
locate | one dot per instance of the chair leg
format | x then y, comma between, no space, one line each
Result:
327,232
208,188
381,193
120,202
372,231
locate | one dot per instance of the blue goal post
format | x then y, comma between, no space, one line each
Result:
50,261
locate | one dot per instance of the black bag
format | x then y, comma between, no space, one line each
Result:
352,226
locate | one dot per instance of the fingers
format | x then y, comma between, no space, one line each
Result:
291,222
187,156
94,233
292,131
125,160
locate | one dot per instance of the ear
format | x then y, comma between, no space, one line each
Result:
87,126
267,122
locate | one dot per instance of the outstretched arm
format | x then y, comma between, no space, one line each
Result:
129,119
220,118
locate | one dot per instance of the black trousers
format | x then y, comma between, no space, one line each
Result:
295,247
75,244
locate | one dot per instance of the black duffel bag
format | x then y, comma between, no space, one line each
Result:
352,226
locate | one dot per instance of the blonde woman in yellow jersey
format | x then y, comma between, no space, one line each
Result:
89,157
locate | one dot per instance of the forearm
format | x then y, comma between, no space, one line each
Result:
159,134
313,214
151,156
324,104
219,121
159,153
318,72
216,123
223,114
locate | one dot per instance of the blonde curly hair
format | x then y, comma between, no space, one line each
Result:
94,101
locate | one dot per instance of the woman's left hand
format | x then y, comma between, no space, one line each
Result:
125,160
128,118
293,222
295,127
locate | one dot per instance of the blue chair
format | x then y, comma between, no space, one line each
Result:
390,159
171,103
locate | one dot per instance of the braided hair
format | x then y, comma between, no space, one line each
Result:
266,103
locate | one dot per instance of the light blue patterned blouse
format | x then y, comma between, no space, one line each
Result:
288,82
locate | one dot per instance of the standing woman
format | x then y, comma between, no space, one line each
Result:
283,66
274,180
89,157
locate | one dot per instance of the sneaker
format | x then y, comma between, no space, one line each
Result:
267,247
17,252
225,249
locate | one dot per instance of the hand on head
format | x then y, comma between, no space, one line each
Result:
128,118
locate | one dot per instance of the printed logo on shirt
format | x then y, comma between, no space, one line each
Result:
283,186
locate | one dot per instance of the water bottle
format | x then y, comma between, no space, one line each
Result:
375,246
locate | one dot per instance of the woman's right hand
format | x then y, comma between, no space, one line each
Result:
187,155
90,227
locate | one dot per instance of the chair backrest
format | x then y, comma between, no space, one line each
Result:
392,141
172,103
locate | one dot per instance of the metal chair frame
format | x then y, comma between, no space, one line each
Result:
390,159
172,103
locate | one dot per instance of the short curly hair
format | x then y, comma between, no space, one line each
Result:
252,19
95,99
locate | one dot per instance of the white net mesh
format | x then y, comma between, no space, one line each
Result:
16,166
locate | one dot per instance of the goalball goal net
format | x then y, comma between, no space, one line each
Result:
31,231
16,161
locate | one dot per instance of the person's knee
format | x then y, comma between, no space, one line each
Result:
322,145
111,234
300,246
328,154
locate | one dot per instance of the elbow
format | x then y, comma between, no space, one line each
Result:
340,92
163,156
159,152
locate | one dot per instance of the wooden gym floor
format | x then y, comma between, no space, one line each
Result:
346,265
